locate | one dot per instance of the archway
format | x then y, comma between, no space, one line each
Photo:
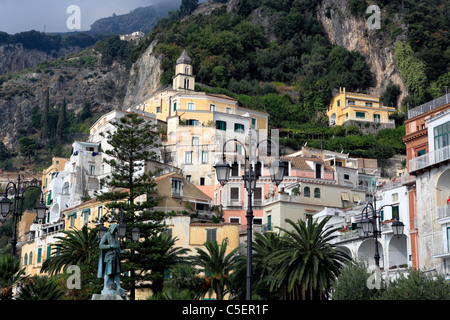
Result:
443,188
333,119
366,252
398,251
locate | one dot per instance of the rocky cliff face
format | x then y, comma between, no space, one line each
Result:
103,86
144,78
14,57
351,32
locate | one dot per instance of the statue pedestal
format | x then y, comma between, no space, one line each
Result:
106,297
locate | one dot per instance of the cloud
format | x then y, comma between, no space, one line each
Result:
51,15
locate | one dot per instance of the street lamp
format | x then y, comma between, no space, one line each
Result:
250,177
371,226
5,206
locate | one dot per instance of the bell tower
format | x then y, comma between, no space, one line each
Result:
184,78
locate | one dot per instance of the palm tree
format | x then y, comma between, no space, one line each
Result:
216,265
10,274
77,247
306,262
40,288
263,245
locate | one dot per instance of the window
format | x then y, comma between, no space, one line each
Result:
351,102
205,156
99,212
188,157
158,109
360,115
221,125
25,259
239,128
186,83
235,169
257,221
234,220
212,107
339,103
202,181
65,189
49,251
188,178
421,152
316,193
376,118
257,196
442,135
195,141
211,235
234,194
72,218
229,110
253,123
174,106
176,187
191,122
191,106
307,192
31,258
394,197
91,170
39,257
258,168
346,176
85,214
238,149
318,171
269,222
369,104
395,212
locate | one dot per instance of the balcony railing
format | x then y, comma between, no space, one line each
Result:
431,105
429,159
283,197
443,211
373,120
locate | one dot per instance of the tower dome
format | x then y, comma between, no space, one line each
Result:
184,58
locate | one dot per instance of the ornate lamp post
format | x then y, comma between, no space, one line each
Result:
372,226
277,170
5,206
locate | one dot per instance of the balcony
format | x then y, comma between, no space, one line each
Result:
372,120
429,159
282,197
443,211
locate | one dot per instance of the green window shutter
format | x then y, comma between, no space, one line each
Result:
361,115
49,251
39,257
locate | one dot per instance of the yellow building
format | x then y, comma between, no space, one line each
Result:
198,123
350,106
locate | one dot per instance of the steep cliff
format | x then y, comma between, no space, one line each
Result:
344,29
77,78
14,57
144,78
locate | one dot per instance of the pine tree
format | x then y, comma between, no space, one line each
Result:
131,145
62,122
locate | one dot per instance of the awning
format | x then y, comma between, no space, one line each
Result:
344,196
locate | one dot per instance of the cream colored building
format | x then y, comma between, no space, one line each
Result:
313,197
198,124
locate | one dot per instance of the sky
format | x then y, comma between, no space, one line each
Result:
51,15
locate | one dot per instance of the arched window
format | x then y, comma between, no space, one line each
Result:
31,258
186,70
25,259
307,192
316,193
65,189
186,83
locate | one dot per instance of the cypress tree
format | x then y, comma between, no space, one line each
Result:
62,122
44,134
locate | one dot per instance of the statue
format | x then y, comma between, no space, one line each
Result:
109,262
